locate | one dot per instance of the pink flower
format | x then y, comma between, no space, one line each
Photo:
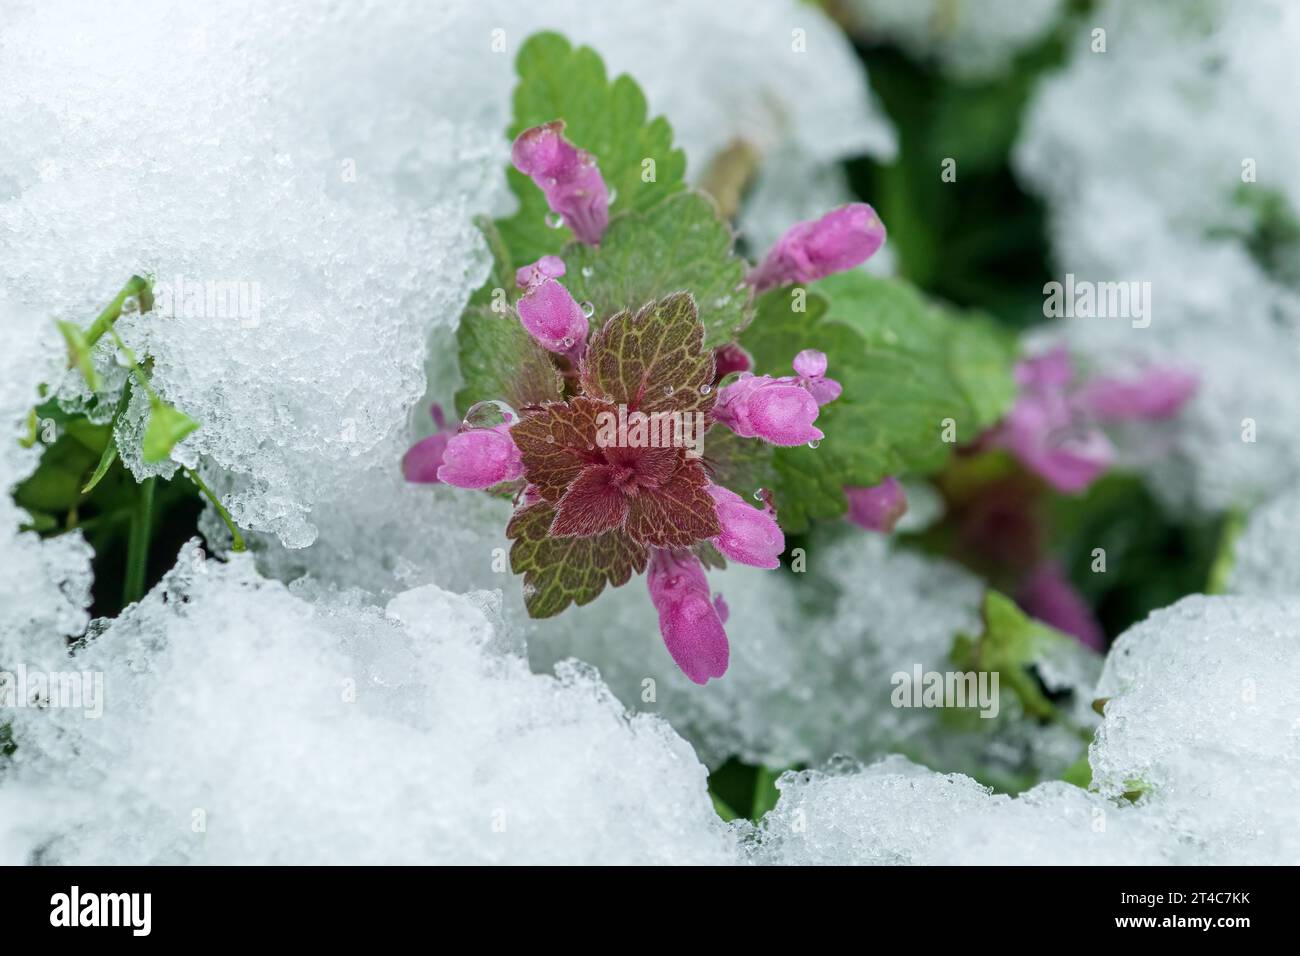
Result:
568,176
1053,426
481,458
841,239
547,267
749,535
549,312
1157,393
1048,595
810,365
777,410
728,359
421,462
879,507
688,620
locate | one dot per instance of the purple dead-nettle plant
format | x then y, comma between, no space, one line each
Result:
611,478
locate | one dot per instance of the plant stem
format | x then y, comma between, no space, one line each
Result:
1226,556
137,287
236,537
136,370
137,553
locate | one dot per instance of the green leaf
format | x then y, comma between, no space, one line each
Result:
1010,644
109,454
653,360
166,427
681,245
500,361
607,118
562,571
743,465
105,462
906,366
79,353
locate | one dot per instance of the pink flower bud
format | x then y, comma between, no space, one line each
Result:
777,410
481,458
688,620
879,507
568,176
1157,393
547,267
841,239
728,359
552,317
810,365
421,462
749,535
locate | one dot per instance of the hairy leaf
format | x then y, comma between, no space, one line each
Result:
653,360
558,441
562,571
681,245
908,370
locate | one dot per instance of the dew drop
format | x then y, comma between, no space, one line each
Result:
815,443
588,309
489,414
668,389
566,343
130,304
550,439
705,389
613,196
554,220
758,495
588,272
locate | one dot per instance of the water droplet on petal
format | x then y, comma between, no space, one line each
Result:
554,220
758,495
588,309
489,414
705,389
816,442
566,343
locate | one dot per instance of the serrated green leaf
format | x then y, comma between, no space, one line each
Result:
906,367
652,360
167,425
1010,643
562,571
743,465
607,118
678,246
500,361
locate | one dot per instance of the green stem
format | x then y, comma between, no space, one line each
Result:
138,287
137,554
236,537
136,370
1226,556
